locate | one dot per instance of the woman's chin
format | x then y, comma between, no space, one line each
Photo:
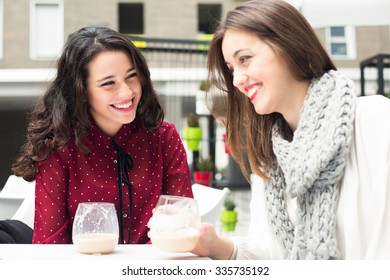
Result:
261,110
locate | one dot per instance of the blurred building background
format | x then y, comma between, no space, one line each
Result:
32,33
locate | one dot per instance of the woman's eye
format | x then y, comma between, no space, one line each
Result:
243,59
131,75
109,83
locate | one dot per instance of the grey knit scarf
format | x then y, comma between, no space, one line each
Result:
310,168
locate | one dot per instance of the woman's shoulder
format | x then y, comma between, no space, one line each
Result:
167,131
167,127
372,113
373,106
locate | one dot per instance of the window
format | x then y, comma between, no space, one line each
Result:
131,18
208,17
1,28
341,42
46,28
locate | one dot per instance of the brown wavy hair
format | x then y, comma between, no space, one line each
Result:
287,32
63,111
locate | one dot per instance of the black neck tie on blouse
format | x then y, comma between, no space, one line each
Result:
125,162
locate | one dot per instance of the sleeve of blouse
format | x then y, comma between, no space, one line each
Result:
51,219
176,179
260,244
365,195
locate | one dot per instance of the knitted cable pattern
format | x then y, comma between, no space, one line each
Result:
310,168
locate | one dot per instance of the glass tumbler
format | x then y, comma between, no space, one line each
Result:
175,224
95,228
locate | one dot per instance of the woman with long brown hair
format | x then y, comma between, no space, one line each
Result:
295,121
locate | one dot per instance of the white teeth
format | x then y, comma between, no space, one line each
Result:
124,106
253,90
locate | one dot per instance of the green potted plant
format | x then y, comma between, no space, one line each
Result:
204,86
201,105
204,171
193,132
229,215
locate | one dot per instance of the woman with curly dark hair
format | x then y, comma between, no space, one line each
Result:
98,134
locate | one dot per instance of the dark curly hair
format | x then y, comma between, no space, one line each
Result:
63,111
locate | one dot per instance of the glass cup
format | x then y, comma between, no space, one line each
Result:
95,228
174,226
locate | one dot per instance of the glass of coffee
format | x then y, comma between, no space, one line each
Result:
95,228
174,226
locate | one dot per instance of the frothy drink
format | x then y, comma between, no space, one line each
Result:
95,243
174,230
181,241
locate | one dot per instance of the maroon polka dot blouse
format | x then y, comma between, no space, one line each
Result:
69,177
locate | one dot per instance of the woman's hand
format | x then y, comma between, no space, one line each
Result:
212,245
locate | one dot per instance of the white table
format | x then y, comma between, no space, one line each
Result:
64,262
69,252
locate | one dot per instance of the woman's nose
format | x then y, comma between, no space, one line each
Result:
239,77
125,90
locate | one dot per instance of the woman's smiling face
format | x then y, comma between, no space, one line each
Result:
114,90
258,72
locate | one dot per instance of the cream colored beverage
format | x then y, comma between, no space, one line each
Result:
95,243
174,229
180,241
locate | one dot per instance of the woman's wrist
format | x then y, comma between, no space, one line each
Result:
222,249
